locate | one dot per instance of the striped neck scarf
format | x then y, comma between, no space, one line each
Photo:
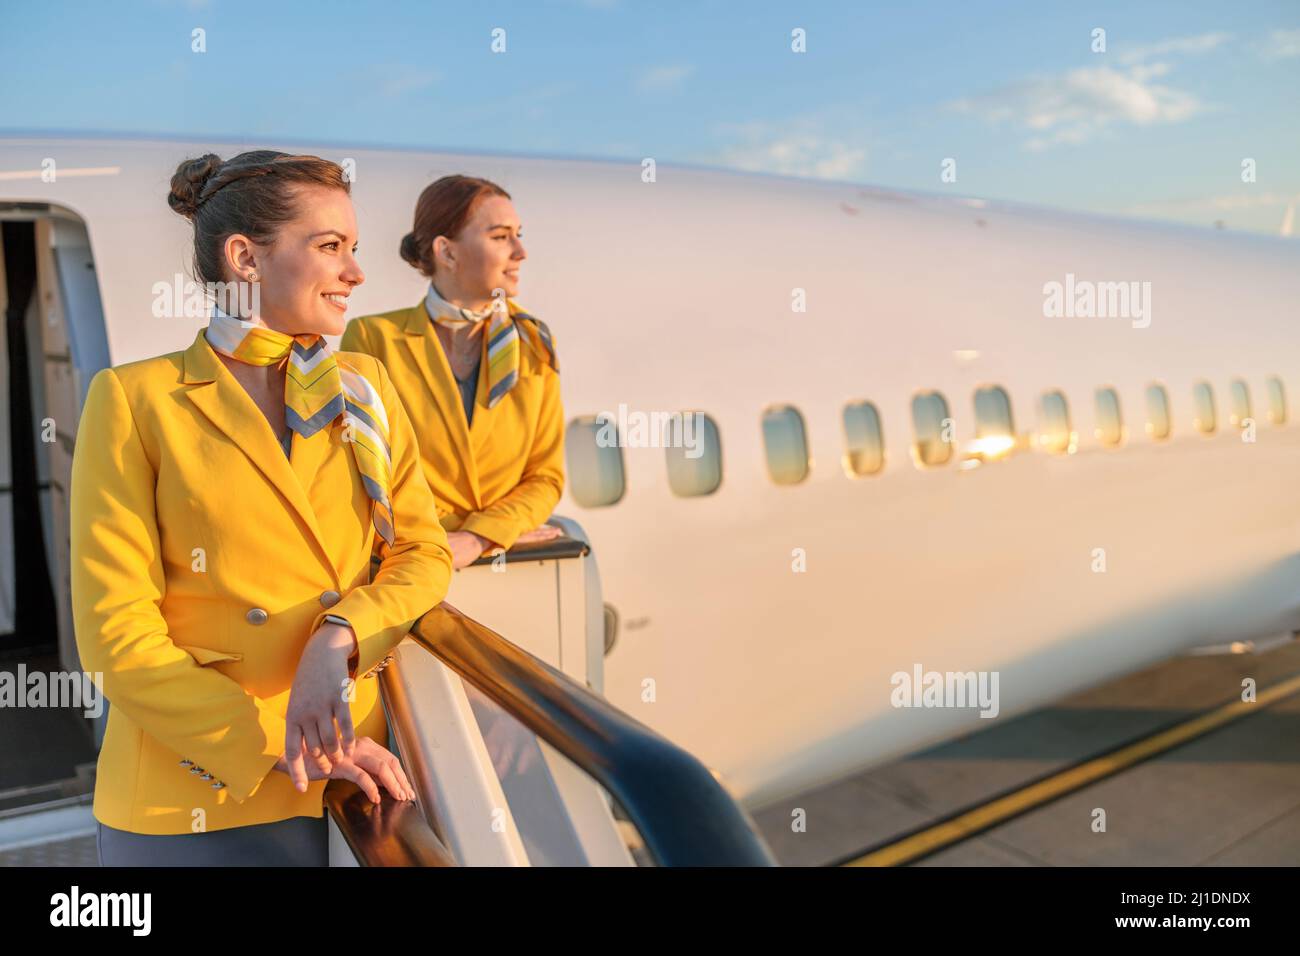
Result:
318,389
502,338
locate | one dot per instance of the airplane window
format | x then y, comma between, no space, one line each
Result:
1276,401
694,455
594,457
1158,426
931,426
1240,403
1054,432
1110,425
995,433
1203,407
786,444
993,412
864,444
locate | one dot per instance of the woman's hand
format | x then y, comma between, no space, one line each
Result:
544,533
319,697
466,546
369,762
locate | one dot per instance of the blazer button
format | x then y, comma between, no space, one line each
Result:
329,598
205,776
218,785
187,763
256,616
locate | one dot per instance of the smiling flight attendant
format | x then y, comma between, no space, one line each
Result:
250,528
478,374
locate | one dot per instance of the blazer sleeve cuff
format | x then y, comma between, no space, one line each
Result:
373,642
246,777
503,531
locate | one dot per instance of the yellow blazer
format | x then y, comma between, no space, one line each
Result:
202,560
504,474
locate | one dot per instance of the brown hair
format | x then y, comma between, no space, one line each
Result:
442,210
252,194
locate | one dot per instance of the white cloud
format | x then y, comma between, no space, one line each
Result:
663,77
1282,44
1202,43
1074,106
795,149
1145,71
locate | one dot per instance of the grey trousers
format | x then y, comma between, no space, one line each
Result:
297,841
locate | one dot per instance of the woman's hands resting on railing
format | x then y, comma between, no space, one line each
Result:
467,547
319,699
320,741
369,762
544,533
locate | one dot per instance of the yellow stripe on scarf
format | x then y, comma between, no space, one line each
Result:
317,390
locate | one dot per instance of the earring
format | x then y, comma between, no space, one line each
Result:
252,277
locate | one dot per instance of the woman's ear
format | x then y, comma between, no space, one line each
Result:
240,257
443,254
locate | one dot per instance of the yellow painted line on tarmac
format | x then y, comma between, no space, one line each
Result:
971,822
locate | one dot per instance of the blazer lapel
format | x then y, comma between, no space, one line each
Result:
220,397
426,351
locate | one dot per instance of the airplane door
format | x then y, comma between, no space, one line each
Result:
63,342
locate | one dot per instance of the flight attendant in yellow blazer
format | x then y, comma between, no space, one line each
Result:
251,528
478,375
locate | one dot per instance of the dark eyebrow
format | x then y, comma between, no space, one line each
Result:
331,232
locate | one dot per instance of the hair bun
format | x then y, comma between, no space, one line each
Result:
410,249
188,182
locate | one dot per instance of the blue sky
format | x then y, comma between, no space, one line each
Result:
1156,126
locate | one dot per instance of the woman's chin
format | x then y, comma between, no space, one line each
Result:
328,324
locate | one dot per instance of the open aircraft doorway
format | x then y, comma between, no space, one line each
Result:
54,340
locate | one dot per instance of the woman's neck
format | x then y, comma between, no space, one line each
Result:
451,294
462,344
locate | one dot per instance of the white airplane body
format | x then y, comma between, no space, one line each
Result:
763,627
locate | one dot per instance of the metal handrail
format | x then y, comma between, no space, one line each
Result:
683,813
390,833
551,549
